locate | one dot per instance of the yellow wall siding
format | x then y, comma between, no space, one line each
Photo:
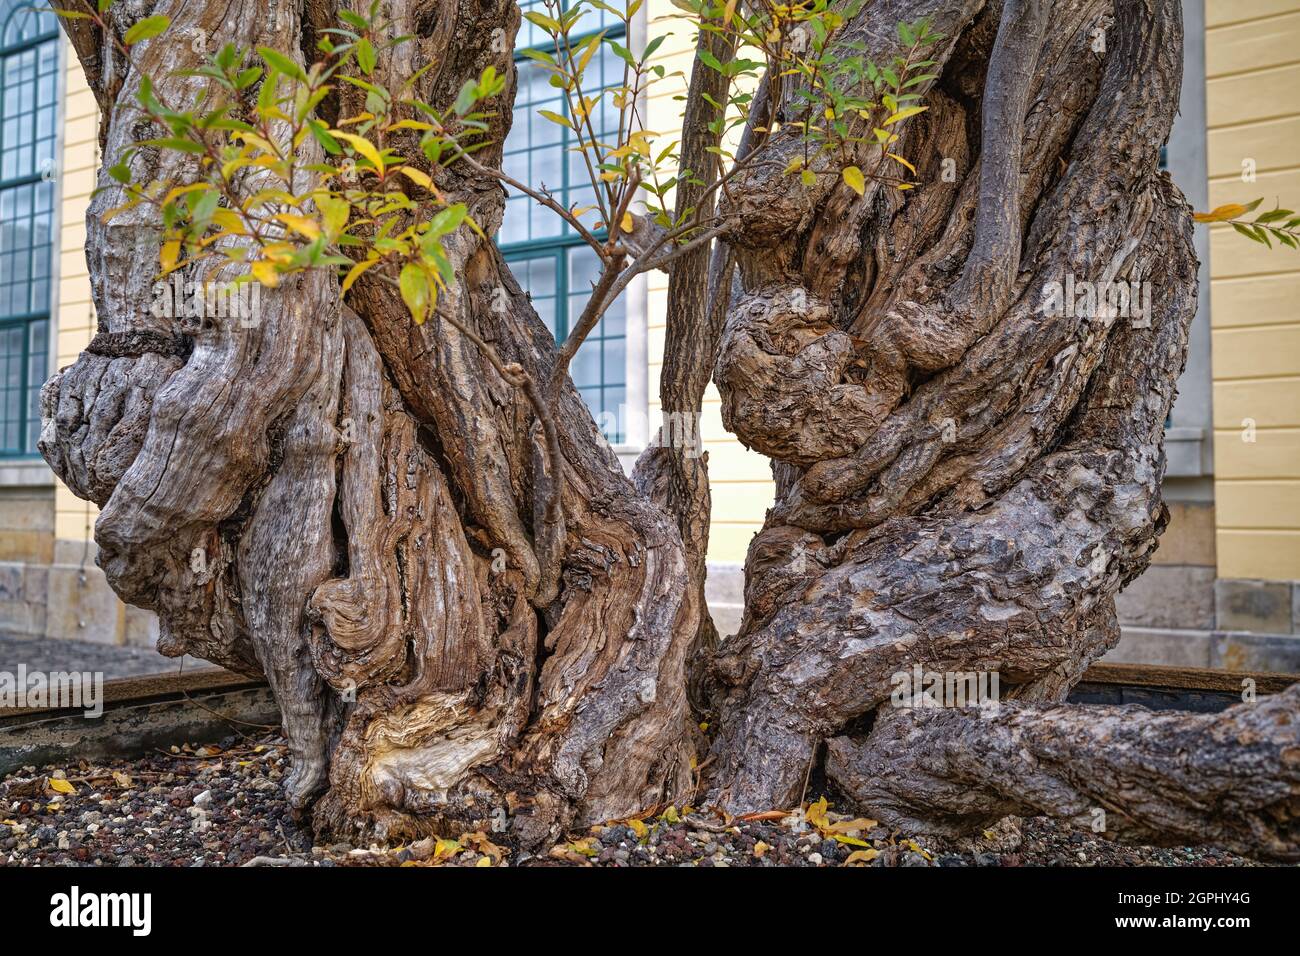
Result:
75,321
741,480
1252,54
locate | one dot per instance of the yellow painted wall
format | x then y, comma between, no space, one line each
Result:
75,316
741,480
1252,50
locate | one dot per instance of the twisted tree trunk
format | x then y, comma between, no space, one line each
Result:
354,505
346,501
965,478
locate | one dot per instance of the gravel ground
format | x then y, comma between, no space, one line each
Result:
221,805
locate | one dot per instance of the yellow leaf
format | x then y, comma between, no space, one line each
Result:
626,223
861,856
419,177
760,848
364,147
904,114
916,848
445,849
264,272
555,118
1221,213
852,841
590,48
853,826
109,215
61,786
229,220
252,139
170,252
300,224
410,124
355,272
853,176
900,159
484,861
817,813
121,779
639,828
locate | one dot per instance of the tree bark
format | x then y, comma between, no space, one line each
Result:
349,503
964,478
1231,779
355,505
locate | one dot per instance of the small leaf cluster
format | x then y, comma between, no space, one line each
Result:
249,197
1281,224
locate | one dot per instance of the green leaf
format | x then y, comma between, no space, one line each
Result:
466,98
146,29
448,220
366,56
246,78
541,56
1246,231
543,21
711,61
415,291
177,144
322,135
281,63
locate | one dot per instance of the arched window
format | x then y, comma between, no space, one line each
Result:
29,90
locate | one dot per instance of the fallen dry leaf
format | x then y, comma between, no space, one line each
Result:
861,857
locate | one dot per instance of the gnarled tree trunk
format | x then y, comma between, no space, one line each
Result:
353,505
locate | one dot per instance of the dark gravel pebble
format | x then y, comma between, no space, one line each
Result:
222,805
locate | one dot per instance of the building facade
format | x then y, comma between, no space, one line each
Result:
1223,589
